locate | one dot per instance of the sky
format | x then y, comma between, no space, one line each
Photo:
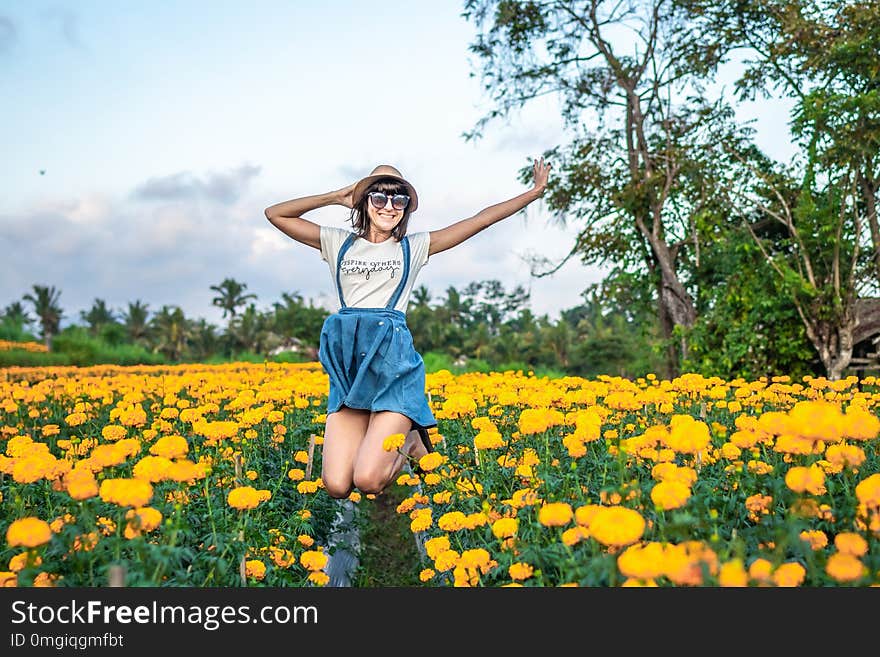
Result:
142,142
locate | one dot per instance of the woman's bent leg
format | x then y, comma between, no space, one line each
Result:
375,468
343,434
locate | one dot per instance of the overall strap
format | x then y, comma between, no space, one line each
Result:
404,243
345,246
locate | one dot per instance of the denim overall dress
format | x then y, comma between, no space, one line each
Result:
369,356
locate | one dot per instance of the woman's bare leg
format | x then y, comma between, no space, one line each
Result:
343,434
374,468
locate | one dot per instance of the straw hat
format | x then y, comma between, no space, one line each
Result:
380,172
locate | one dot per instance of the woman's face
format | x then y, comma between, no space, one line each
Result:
384,219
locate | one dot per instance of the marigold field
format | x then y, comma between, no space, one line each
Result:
203,475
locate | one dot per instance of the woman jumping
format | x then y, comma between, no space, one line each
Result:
377,378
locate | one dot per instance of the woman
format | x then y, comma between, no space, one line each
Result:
377,379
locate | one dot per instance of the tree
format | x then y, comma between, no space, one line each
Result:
136,321
640,123
231,296
97,316
172,332
44,299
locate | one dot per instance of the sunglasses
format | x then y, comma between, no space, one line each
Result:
379,199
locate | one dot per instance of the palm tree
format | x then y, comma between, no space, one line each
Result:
172,330
231,296
97,316
135,320
45,302
17,314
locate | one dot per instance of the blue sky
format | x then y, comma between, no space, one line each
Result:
165,128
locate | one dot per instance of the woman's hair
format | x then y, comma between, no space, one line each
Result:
360,221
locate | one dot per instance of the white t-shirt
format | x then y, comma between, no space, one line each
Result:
370,273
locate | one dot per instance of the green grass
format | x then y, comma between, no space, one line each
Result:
388,556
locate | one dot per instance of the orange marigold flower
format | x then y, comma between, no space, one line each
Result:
868,491
255,568
520,571
505,527
789,574
246,497
313,560
126,492
670,495
617,526
815,537
845,567
171,447
733,574
802,479
28,532
851,543
555,514
393,442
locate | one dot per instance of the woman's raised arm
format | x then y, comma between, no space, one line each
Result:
455,234
286,216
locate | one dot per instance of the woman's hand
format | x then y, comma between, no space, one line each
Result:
344,195
541,173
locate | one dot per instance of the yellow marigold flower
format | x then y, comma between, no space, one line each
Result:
436,546
307,487
845,455
8,579
50,430
126,492
685,563
421,520
868,491
859,424
617,526
255,568
687,435
845,567
555,514
505,527
670,495
446,560
313,560
452,521
305,514
75,419
302,456
171,447
246,497
20,561
642,561
431,461
458,405
296,474
45,580
113,432
183,470
305,540
584,514
426,574
816,420
815,537
152,468
319,578
81,484
733,574
851,543
133,417
393,442
488,440
140,520
574,535
28,532
789,574
520,571
802,479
